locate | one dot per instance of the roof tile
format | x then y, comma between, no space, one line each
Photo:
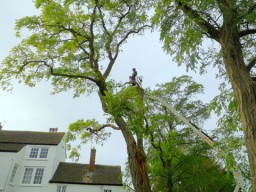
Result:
75,173
31,137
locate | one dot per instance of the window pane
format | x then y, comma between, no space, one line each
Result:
64,188
38,176
59,189
44,153
33,153
27,176
13,173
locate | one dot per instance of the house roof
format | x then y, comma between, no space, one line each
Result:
75,173
14,141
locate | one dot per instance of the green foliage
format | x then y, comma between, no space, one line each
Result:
82,132
74,44
185,34
127,103
229,131
178,160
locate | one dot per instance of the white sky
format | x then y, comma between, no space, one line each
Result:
35,109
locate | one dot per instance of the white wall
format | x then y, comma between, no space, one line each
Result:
59,156
23,160
6,163
85,188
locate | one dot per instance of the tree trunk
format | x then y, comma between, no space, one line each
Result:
136,155
136,159
243,88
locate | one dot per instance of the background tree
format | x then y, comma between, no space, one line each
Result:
186,25
74,44
178,160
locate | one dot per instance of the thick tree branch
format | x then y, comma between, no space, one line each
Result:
198,19
94,65
54,73
95,130
247,32
251,64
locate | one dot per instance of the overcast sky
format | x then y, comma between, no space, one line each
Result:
35,109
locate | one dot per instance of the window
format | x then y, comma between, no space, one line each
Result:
27,176
33,175
13,173
107,190
61,188
44,153
37,152
38,176
33,152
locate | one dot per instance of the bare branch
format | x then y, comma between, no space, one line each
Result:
106,73
103,21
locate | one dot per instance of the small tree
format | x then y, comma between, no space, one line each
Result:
178,160
75,44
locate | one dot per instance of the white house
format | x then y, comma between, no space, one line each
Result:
35,162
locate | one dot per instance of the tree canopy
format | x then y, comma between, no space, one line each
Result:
177,158
74,45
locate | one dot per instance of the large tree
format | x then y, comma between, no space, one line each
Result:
75,44
185,26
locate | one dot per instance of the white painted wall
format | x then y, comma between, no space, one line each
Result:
85,188
59,155
23,160
6,163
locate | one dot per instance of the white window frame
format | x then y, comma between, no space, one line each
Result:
38,152
33,176
61,188
14,171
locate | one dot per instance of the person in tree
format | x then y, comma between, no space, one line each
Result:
133,77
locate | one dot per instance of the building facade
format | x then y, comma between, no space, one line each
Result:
35,161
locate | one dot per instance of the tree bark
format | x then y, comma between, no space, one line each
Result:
243,87
136,159
135,150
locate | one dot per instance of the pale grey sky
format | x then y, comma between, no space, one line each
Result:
35,109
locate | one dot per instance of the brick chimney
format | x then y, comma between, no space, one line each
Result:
92,160
53,130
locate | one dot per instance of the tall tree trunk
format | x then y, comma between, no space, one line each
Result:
136,159
243,88
135,150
